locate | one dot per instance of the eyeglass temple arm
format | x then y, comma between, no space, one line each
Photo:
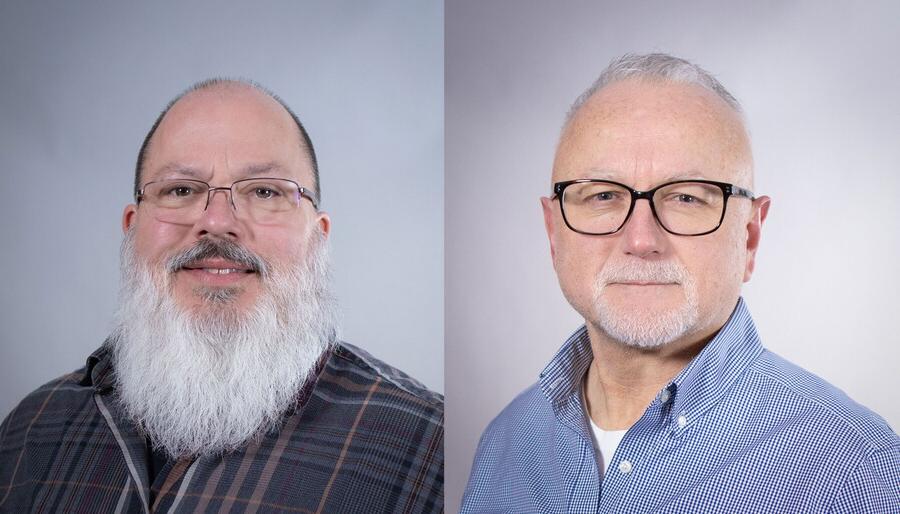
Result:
740,191
311,196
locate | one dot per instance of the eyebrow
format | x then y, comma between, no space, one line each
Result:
180,169
261,169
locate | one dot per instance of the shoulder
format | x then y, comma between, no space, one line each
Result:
53,398
43,415
825,404
833,432
514,464
359,374
390,422
522,430
528,413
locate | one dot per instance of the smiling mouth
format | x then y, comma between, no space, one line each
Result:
219,271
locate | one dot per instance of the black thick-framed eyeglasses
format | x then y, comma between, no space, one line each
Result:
681,207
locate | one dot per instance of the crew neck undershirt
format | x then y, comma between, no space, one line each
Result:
605,441
605,444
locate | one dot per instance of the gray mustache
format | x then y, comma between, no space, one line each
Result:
662,272
208,248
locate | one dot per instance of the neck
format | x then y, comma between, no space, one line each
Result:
622,382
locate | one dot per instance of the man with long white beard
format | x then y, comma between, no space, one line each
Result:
223,387
665,400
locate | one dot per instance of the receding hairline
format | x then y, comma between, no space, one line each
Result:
658,68
662,68
221,83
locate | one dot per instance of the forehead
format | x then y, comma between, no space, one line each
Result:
223,132
643,133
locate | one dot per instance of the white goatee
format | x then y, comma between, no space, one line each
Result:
643,326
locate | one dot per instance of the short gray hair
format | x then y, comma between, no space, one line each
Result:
655,66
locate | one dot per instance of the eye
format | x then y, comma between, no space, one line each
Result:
179,190
605,196
683,198
265,193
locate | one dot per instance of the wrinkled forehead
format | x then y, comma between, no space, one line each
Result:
223,130
643,133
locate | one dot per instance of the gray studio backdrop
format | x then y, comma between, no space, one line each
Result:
819,82
80,85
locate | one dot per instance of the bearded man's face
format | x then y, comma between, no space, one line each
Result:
225,306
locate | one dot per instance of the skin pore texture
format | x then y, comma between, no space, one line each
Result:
207,359
651,300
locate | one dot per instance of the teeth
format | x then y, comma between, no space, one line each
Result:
217,271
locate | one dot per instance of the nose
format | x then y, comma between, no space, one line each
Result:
642,235
218,218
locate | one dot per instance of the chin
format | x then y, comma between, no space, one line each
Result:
646,318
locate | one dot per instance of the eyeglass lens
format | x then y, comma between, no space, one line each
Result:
262,200
686,208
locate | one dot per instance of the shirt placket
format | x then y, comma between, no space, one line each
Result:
624,483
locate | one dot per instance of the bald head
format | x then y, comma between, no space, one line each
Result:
656,95
239,87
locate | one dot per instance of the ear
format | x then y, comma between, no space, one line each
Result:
128,216
547,206
324,223
758,213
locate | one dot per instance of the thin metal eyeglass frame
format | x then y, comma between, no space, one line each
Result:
304,193
728,190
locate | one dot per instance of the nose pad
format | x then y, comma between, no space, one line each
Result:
219,217
210,195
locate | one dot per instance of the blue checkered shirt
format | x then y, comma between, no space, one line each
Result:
738,430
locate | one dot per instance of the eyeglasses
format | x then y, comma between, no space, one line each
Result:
683,207
263,200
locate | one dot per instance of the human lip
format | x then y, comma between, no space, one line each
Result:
218,266
217,272
642,283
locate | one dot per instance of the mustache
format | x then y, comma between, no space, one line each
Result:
635,271
208,248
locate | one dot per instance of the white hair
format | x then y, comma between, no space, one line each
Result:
645,327
659,67
205,383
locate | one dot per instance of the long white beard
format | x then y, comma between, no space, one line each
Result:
206,383
640,325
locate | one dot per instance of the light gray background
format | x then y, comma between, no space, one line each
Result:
819,81
80,85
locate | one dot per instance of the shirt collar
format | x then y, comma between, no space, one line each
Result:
693,391
98,369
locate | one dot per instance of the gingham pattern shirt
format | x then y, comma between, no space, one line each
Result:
738,430
363,438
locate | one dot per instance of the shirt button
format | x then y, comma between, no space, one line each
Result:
625,467
682,421
664,396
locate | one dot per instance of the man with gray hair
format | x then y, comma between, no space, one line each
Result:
223,387
665,400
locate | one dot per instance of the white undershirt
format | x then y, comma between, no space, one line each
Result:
605,444
605,441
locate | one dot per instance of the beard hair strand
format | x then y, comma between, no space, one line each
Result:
206,383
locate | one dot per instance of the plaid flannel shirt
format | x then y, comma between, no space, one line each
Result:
363,437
